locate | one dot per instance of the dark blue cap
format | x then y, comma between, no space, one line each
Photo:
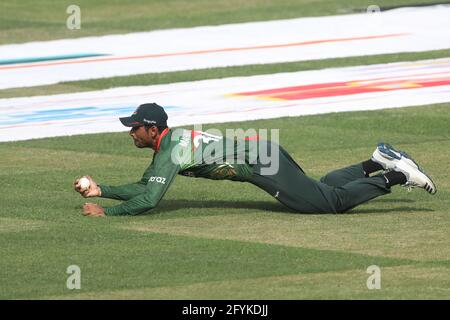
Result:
149,114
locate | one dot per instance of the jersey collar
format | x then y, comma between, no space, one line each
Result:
158,144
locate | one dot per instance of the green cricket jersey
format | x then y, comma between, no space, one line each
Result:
185,152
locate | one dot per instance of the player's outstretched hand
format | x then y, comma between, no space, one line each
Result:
92,191
93,210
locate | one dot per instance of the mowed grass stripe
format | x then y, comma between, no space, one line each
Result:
17,157
214,73
408,126
131,260
19,225
371,234
433,283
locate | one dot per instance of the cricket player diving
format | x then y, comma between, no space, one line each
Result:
183,152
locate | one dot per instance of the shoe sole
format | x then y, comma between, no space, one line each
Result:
429,187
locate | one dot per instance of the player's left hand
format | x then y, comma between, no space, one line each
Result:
93,210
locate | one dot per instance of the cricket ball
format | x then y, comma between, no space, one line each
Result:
84,183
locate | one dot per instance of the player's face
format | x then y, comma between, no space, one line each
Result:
141,137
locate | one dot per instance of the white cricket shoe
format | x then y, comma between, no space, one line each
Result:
388,157
392,159
415,177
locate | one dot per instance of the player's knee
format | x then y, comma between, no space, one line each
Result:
331,180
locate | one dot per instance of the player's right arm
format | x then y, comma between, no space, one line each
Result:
161,177
122,192
127,191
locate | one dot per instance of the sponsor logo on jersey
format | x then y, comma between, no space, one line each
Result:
157,179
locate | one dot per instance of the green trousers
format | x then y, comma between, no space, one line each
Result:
336,192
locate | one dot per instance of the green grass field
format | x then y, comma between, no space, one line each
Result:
226,239
218,239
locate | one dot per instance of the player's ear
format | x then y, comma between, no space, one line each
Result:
153,131
148,129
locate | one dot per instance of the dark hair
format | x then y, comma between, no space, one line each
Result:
160,128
